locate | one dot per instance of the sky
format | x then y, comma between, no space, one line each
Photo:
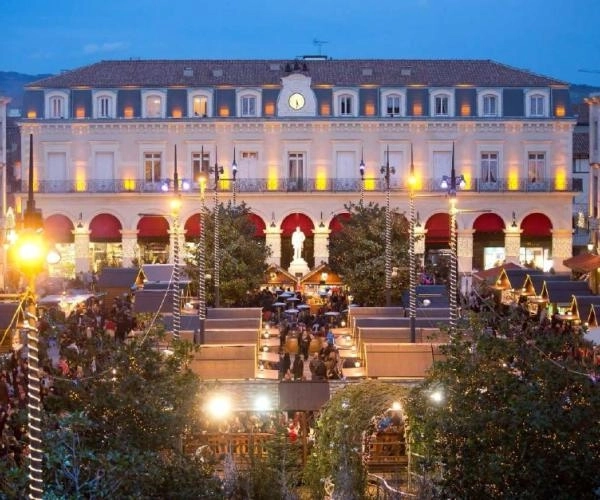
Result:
555,38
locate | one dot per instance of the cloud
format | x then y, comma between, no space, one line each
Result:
95,48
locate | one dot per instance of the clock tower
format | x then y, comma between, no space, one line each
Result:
296,98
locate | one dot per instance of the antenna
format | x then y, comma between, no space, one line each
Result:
589,70
319,44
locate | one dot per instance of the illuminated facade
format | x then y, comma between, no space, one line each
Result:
105,135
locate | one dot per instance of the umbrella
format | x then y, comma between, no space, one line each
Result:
593,335
292,299
291,311
332,313
286,294
278,304
303,306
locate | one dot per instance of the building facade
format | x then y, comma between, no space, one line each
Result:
107,137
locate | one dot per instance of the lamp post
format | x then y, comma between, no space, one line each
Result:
451,184
202,250
234,169
361,168
412,300
175,207
217,250
387,171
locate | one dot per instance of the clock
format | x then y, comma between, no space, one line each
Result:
296,101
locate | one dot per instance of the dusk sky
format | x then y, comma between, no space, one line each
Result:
556,38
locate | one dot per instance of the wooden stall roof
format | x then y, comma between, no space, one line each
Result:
535,282
277,276
492,275
584,307
118,277
161,273
517,277
583,263
561,292
153,301
314,276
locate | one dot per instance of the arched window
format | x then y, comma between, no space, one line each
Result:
200,103
441,103
249,103
57,104
393,103
489,103
345,103
104,104
536,103
154,104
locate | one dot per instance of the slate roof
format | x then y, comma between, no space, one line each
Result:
581,145
397,72
117,277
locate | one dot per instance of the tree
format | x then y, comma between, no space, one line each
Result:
115,430
514,416
243,257
337,452
357,252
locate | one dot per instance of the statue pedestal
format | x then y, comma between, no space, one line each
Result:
298,266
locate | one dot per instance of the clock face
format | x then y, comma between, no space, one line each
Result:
296,101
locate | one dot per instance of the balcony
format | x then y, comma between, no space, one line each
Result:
305,185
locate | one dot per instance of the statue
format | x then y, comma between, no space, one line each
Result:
298,242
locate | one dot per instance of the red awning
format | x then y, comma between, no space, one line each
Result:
58,229
536,225
192,227
154,228
259,225
336,223
489,223
291,222
105,228
438,229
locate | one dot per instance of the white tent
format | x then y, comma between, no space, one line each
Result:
593,335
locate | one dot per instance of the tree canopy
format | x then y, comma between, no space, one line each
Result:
357,252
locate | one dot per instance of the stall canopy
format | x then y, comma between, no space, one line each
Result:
583,263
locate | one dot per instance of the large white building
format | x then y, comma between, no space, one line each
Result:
105,136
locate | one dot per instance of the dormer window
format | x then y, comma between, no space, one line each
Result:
489,103
393,103
442,103
345,103
154,104
104,104
248,103
57,104
536,104
200,103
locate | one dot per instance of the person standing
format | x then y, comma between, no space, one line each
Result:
298,367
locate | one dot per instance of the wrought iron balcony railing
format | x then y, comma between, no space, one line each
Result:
352,185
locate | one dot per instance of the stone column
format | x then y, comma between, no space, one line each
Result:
130,247
464,250
81,237
562,248
321,243
420,233
273,240
512,244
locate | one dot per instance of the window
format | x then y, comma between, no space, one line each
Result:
200,103
248,106
104,104
441,102
441,106
249,103
152,167
393,105
536,103
154,104
57,105
536,163
103,107
345,102
295,171
490,105
594,133
489,167
200,164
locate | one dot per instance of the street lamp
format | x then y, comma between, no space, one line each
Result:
361,168
217,170
452,183
234,169
388,171
412,301
32,252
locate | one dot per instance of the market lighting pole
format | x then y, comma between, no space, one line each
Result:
175,207
234,169
452,183
412,301
202,250
217,171
361,168
387,171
